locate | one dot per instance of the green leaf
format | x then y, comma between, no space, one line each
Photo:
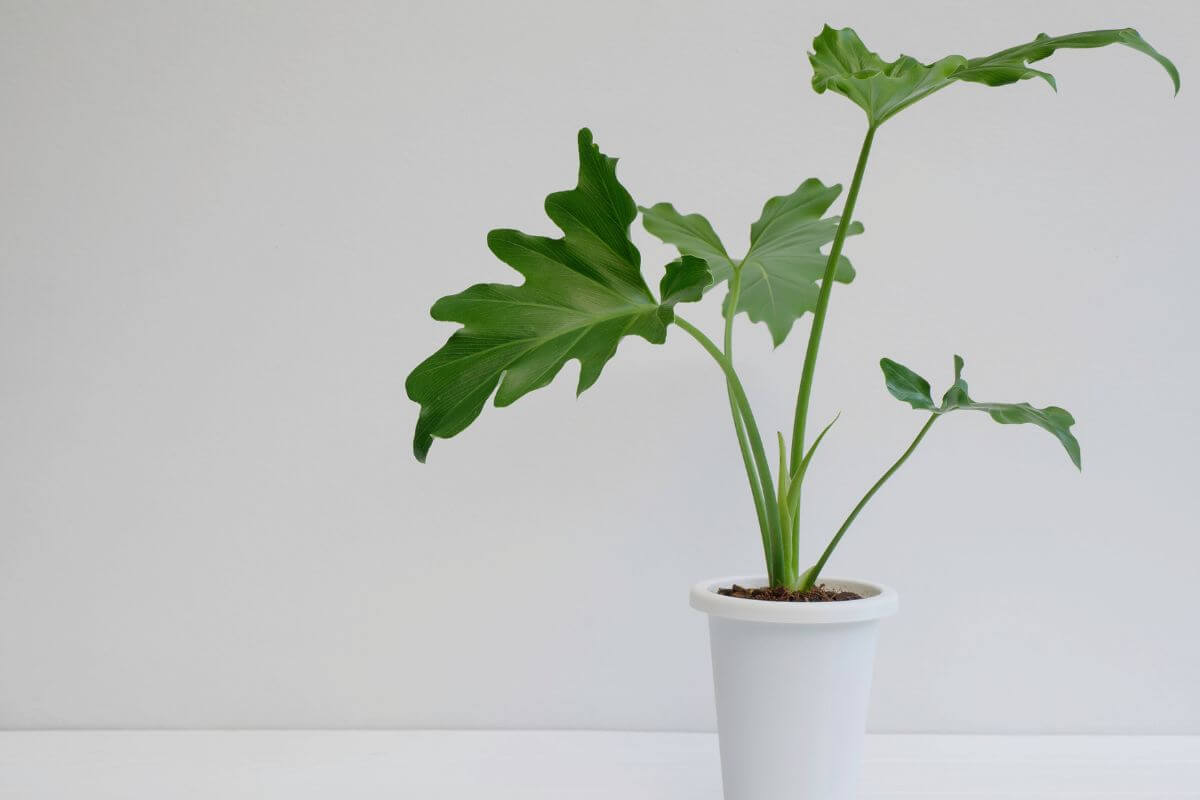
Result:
684,282
782,269
1009,66
582,294
691,234
956,395
906,385
1057,421
843,64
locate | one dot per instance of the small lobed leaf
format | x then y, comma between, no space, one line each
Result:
843,64
909,387
582,294
783,266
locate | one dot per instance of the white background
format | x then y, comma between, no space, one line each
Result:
222,225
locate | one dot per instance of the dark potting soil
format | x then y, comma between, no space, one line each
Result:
778,594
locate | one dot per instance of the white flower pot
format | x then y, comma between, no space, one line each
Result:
792,683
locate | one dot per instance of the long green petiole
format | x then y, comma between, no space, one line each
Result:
760,509
787,523
762,465
822,308
739,426
810,576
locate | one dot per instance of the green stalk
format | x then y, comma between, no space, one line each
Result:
739,426
735,294
786,524
756,446
793,512
810,577
818,323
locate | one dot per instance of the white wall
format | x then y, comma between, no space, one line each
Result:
222,225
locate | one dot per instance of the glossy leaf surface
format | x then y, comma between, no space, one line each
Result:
582,294
782,269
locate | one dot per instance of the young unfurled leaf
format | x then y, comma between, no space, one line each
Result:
582,293
906,385
782,269
842,63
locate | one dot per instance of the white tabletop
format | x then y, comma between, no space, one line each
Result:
502,765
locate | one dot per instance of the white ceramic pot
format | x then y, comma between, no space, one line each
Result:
792,684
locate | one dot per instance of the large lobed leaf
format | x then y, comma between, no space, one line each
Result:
582,294
909,387
782,269
843,64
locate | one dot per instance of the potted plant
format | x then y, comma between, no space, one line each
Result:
792,649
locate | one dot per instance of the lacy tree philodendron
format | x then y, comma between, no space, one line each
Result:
585,291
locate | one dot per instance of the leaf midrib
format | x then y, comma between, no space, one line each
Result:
568,246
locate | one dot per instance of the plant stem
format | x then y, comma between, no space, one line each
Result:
814,573
793,516
818,322
786,524
739,427
735,294
756,446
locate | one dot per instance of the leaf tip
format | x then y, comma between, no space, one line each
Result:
589,151
1072,448
587,376
421,444
1131,38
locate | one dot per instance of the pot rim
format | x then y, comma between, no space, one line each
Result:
878,601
